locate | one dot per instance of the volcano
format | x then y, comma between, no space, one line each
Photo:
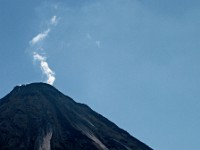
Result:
37,116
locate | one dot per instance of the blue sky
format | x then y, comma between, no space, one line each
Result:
134,61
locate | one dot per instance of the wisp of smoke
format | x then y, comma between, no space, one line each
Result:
45,68
42,59
54,20
40,37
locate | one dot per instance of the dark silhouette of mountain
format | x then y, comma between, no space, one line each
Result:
39,117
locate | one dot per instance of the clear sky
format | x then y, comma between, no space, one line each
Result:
137,62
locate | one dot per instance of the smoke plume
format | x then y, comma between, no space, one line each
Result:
39,53
45,68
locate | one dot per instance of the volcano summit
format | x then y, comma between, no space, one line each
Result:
39,117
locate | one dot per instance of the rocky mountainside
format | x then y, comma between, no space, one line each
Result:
39,117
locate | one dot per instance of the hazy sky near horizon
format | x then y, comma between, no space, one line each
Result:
136,62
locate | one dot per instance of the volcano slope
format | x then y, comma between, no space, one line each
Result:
39,117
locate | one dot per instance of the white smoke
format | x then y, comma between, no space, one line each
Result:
40,37
54,20
46,70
